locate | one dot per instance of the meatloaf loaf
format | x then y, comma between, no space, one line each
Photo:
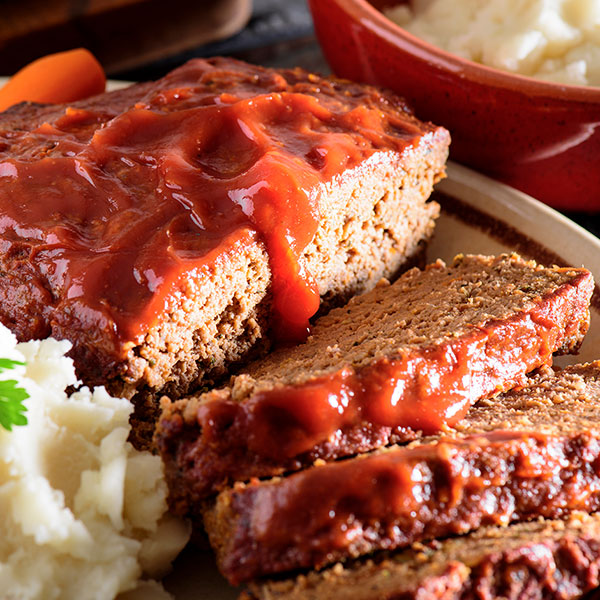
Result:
541,560
169,229
397,362
532,452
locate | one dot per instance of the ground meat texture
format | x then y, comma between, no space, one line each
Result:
122,244
550,559
396,363
535,456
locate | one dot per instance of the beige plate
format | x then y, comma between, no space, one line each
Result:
479,216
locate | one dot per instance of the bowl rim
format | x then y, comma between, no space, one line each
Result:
373,19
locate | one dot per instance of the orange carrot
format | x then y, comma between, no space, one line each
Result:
60,77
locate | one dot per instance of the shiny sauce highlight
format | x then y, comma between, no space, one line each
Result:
420,388
116,206
392,499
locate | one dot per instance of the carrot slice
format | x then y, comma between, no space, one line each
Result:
60,77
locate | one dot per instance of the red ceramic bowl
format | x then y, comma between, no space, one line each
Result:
542,138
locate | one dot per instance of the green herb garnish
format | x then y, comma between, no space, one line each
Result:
11,398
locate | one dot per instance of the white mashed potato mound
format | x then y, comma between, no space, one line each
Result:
553,40
84,514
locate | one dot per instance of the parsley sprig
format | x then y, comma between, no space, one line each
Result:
11,398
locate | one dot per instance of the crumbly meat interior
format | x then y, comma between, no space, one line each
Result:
375,220
537,559
555,402
423,308
565,405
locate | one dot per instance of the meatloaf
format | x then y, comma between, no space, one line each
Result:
170,229
395,363
542,560
532,452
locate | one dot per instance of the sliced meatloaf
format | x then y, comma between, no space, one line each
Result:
530,453
393,364
170,229
549,560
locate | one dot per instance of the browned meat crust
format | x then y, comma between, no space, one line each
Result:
374,219
549,560
450,335
544,464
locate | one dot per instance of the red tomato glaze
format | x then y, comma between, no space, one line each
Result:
115,206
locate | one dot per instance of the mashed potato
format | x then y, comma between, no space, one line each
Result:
83,513
554,40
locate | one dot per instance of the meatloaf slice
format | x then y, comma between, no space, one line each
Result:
549,560
400,360
530,453
169,229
